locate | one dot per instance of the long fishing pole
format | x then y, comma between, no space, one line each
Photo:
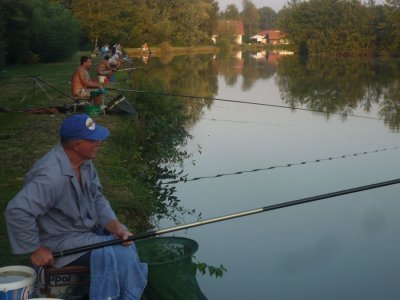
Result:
238,101
36,77
227,217
128,69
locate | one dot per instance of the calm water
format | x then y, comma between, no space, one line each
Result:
345,247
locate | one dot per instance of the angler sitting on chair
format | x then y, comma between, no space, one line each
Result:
104,69
81,84
61,206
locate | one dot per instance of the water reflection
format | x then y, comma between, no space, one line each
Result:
342,86
324,249
332,86
291,252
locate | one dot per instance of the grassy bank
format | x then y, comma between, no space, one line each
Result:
127,163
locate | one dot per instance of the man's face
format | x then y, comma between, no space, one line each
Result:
87,149
88,64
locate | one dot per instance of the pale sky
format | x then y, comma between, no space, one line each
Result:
274,4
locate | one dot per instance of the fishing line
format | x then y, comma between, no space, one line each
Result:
237,121
183,179
242,102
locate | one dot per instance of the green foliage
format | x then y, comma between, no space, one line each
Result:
203,269
36,30
226,34
342,85
231,13
2,39
251,17
341,27
225,44
17,19
161,139
55,33
133,22
268,18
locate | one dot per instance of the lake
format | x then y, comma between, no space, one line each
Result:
345,247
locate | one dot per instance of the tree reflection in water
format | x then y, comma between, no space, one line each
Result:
341,86
332,86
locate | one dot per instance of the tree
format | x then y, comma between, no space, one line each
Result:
231,13
330,27
268,18
189,21
55,31
250,17
17,20
103,20
390,27
2,40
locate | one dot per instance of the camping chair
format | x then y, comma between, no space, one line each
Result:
88,100
80,102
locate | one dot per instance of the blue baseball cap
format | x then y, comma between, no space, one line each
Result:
82,127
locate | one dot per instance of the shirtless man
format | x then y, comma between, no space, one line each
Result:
81,83
104,67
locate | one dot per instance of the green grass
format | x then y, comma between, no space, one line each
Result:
25,137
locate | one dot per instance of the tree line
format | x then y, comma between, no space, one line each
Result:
342,27
51,30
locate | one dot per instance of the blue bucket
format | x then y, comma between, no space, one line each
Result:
17,282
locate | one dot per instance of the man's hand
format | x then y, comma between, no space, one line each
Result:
42,257
123,234
119,231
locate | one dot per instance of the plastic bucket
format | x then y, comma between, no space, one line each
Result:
102,78
92,110
17,282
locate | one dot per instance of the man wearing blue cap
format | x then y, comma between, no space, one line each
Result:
61,206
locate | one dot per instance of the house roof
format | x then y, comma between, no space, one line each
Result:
236,24
273,34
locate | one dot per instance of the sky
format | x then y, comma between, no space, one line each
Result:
274,4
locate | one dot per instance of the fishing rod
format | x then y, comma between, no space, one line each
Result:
239,101
36,77
128,69
53,87
227,217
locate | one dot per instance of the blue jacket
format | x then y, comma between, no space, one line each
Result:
54,211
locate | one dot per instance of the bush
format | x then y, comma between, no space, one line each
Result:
166,47
2,40
55,32
17,20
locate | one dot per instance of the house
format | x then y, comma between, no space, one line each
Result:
257,39
232,27
272,36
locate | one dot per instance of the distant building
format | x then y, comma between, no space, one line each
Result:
233,27
273,37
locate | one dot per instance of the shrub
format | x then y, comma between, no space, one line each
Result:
55,32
